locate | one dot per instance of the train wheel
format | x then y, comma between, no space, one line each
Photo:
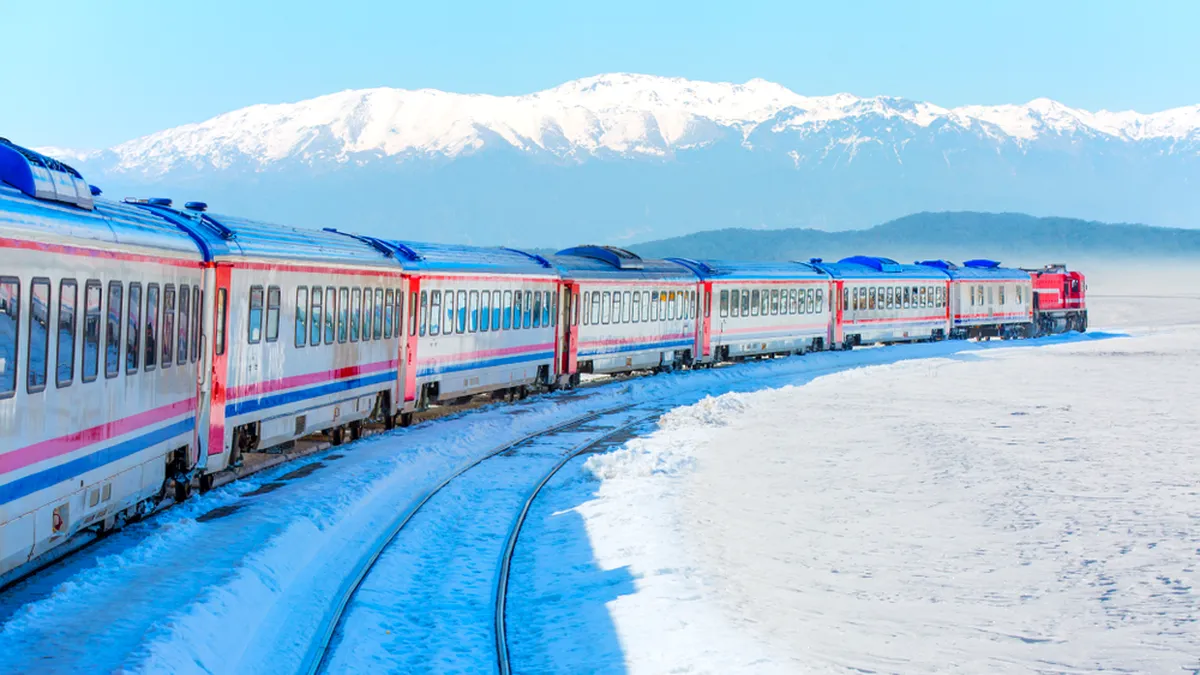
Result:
183,490
206,482
338,436
355,431
406,419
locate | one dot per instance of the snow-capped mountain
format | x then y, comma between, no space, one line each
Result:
663,155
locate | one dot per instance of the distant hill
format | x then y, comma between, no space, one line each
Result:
1015,238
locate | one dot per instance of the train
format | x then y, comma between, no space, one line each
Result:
181,340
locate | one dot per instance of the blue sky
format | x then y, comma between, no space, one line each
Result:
80,73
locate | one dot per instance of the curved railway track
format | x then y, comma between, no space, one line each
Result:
317,659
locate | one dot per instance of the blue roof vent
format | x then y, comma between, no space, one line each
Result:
196,206
982,263
617,257
881,264
815,261
42,177
940,264
698,266
96,192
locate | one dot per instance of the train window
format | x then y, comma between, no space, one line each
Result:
526,320
221,320
820,301
744,303
185,306
904,300
68,296
990,295
343,314
645,305
595,305
355,313
461,324
810,300
787,302
735,302
315,316
485,310
754,303
273,302
605,306
626,304
891,297
537,309
553,298
846,300
197,317
497,309
615,308
10,318
368,313
330,314
377,325
919,297
412,313
302,316
254,328
1000,293
980,294
388,313
425,311
168,325
39,335
451,314
508,309
435,311
113,329
671,305
1020,294
133,324
692,313
473,307
774,300
870,298
91,330
636,311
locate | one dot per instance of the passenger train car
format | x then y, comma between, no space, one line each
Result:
144,346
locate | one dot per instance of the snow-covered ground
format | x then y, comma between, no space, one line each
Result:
1011,509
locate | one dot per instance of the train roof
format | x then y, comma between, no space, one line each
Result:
609,262
451,258
738,270
875,267
224,236
976,269
107,224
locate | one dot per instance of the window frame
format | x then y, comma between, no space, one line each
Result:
112,363
183,327
31,388
89,286
300,324
261,293
58,362
167,340
15,296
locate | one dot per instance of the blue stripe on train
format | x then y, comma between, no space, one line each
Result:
636,347
485,363
250,405
71,470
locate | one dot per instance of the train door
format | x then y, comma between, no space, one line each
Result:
704,325
568,339
408,364
213,380
837,333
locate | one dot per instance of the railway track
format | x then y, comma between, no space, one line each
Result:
622,418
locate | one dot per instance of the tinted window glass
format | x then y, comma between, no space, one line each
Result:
497,304
377,325
133,329
301,327
185,313
331,305
197,318
39,335
256,314
462,312
435,311
221,316
168,325
355,313
388,314
10,317
91,330
343,314
112,331
508,300
68,297
368,313
318,297
273,299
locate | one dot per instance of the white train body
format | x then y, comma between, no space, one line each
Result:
884,301
634,314
97,366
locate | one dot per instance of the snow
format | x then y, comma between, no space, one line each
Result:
1014,509
623,113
